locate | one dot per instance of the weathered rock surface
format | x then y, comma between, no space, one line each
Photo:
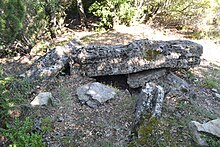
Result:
139,79
42,99
149,101
217,95
197,137
95,94
177,84
212,127
54,62
137,56
49,65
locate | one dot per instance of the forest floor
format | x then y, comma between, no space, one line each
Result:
74,124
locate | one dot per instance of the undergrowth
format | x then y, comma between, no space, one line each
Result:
16,132
20,134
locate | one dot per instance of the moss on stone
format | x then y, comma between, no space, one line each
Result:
147,130
151,54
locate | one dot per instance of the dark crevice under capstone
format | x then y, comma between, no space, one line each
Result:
117,81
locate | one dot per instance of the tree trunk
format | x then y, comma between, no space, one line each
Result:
82,15
52,19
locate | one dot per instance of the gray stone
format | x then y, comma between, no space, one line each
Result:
50,64
42,99
211,127
139,79
95,94
217,95
54,62
137,56
214,90
150,101
177,84
197,137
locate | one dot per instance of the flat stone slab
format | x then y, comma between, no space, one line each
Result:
94,94
103,60
137,56
139,79
211,127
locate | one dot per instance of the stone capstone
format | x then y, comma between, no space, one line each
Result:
94,94
42,99
149,101
137,56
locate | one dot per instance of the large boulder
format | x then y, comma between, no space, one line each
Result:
137,56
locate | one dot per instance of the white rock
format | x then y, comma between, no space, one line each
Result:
217,95
94,94
42,99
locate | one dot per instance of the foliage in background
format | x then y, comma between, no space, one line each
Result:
11,19
23,22
176,13
112,12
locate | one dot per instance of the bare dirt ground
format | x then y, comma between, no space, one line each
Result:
74,124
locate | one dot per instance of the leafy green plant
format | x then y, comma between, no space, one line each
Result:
20,134
46,125
13,92
113,12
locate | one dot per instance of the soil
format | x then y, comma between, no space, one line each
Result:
74,124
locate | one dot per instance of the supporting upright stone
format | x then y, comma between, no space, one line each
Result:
149,101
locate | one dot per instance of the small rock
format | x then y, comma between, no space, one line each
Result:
42,99
214,90
217,95
196,135
60,119
94,94
211,127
